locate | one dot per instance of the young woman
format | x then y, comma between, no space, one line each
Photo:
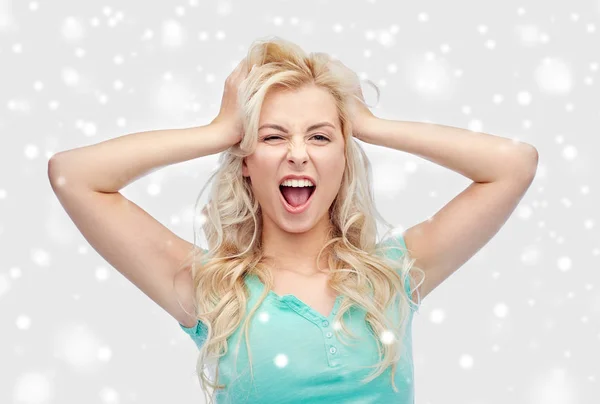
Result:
294,267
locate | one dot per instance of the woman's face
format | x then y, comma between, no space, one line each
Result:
317,153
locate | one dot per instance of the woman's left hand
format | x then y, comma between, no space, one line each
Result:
360,114
362,117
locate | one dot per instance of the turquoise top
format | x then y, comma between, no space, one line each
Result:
297,358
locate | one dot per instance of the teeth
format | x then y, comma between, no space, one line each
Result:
297,183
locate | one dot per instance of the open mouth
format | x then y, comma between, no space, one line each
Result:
296,197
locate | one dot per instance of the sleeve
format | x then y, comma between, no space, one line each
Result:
198,332
398,254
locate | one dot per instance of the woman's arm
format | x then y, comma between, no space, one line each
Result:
87,180
111,165
501,169
478,156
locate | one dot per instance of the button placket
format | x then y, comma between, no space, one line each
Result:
329,334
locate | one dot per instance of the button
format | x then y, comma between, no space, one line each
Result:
329,334
325,323
333,349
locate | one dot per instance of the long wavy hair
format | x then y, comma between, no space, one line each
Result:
232,223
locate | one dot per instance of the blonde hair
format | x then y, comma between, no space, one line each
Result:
232,221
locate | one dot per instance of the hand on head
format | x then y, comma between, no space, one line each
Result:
229,118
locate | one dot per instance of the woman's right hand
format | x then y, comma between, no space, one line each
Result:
229,119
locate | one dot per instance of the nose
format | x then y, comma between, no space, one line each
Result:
297,152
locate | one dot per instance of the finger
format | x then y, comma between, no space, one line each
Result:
239,65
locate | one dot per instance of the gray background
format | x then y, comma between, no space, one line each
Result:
519,323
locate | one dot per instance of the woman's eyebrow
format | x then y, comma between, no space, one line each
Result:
281,128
